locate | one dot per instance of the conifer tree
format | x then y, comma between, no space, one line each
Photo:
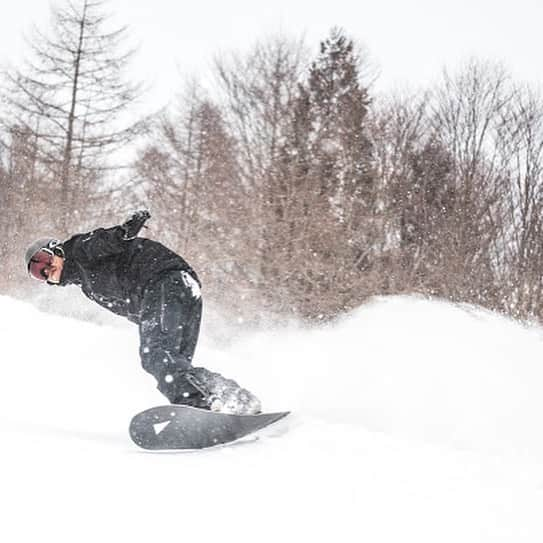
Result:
338,106
325,183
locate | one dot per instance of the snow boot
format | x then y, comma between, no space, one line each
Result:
199,387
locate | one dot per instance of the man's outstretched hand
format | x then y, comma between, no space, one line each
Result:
134,224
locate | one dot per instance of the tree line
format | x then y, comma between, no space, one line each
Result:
292,186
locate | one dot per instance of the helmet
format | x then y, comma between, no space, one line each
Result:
48,245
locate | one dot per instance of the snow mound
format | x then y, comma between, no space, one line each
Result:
412,421
446,373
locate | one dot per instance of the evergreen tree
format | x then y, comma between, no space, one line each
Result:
325,195
338,105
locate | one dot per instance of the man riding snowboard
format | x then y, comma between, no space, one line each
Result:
153,287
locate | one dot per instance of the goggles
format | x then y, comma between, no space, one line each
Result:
40,264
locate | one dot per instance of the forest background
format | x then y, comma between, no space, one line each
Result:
293,187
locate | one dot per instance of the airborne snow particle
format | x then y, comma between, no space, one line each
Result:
190,283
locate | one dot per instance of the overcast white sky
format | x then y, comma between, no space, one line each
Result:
411,40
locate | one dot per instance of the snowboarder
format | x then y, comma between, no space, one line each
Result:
153,287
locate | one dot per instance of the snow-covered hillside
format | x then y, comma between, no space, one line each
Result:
413,421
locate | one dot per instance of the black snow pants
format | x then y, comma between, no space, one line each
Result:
169,329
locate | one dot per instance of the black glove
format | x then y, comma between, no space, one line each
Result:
134,224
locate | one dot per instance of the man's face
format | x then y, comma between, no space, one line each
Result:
46,266
55,270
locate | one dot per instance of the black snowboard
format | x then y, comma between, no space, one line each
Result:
182,427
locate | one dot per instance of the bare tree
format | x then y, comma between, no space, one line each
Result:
469,110
211,165
399,128
191,177
72,97
256,93
522,228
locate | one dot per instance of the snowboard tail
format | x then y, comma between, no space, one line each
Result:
182,427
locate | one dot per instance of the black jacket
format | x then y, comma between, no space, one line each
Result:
114,272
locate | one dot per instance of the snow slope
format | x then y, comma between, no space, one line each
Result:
413,421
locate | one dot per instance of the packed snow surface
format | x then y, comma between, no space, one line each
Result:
413,421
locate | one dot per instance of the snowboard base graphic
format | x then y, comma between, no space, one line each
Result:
182,427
